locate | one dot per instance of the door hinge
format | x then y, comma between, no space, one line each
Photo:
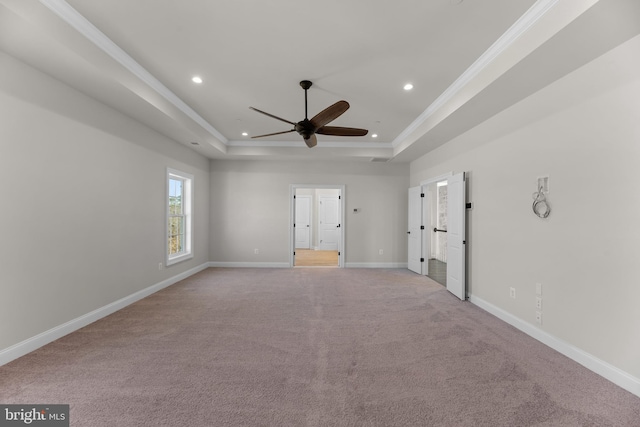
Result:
464,242
421,259
294,225
421,227
338,253
294,253
294,196
339,197
421,194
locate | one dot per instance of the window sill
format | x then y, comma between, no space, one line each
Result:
177,259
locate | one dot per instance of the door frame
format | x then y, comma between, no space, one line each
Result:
292,218
426,243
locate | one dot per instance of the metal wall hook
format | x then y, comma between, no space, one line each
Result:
540,206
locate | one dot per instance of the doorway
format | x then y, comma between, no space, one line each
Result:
317,226
437,229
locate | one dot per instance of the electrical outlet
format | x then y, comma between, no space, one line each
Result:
380,251
539,317
512,292
538,288
539,303
256,251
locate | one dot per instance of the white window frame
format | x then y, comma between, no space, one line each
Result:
187,189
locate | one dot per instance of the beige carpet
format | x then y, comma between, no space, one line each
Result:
311,347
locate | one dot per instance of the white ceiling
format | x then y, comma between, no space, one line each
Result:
466,59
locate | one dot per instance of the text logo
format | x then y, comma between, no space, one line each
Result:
34,415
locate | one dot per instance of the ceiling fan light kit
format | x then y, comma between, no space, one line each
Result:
317,125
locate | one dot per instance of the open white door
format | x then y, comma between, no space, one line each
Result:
329,230
414,233
303,222
456,226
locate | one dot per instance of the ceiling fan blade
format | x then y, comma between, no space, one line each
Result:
340,131
329,114
275,133
272,116
311,141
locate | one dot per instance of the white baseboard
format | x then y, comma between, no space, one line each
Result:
37,341
376,265
286,265
249,264
600,367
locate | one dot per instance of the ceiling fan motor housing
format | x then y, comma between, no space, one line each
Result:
305,128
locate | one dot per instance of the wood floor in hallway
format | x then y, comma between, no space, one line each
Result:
312,258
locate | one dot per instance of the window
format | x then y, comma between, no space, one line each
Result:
179,201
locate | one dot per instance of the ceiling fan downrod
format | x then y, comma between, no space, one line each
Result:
305,84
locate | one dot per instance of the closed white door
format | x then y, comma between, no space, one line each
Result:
329,227
414,233
456,230
303,222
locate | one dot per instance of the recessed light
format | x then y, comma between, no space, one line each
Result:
375,135
196,79
245,134
408,86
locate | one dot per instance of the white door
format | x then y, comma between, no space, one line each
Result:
456,210
303,222
414,233
329,227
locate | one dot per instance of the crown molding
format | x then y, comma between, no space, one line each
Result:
522,25
72,17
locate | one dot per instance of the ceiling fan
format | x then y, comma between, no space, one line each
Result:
309,128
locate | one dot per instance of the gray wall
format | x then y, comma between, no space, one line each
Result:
583,132
83,216
250,209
